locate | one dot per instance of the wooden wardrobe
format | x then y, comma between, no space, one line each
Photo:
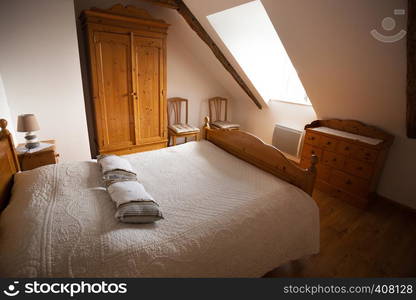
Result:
127,79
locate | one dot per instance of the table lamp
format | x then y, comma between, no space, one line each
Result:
28,123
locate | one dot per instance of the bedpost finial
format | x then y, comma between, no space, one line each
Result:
3,124
207,122
314,161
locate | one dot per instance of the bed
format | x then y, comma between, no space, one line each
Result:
227,214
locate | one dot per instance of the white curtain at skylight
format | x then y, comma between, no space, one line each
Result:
252,39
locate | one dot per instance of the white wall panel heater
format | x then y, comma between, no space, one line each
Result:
287,139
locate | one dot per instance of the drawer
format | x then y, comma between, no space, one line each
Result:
308,150
334,160
345,148
366,154
358,168
349,183
328,143
323,172
312,138
335,192
32,161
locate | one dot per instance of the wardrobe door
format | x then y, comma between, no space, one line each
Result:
149,78
114,100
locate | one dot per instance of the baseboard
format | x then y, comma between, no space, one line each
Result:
397,204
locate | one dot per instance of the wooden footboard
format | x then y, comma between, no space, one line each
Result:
266,157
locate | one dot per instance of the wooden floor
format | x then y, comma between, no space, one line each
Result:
377,242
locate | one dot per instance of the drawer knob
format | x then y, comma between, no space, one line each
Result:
347,148
334,159
367,154
349,182
312,138
360,168
328,143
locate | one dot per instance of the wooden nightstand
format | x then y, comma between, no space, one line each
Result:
29,161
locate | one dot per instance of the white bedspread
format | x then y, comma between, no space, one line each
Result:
223,217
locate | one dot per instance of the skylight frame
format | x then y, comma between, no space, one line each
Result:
247,30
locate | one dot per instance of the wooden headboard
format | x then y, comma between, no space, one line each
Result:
9,165
266,157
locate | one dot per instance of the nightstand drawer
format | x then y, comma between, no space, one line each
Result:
30,161
48,156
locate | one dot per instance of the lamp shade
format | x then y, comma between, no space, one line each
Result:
27,123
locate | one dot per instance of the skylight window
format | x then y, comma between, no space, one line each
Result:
251,38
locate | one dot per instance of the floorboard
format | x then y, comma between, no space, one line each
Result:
377,242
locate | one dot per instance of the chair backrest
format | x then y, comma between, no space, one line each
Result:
216,106
175,106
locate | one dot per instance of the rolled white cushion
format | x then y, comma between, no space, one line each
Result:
134,204
139,212
127,191
114,162
111,177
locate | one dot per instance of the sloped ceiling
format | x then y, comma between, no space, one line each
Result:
341,65
331,48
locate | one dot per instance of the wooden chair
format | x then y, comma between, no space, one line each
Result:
178,128
219,119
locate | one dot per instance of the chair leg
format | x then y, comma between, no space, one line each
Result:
174,140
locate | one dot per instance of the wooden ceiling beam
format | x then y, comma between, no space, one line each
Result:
193,22
165,3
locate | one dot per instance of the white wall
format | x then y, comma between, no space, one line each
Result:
39,63
261,122
5,109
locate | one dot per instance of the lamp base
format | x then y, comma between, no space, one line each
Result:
31,141
32,145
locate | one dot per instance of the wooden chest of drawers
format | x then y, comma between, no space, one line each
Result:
351,157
